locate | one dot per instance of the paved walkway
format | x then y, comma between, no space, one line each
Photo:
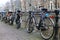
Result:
10,33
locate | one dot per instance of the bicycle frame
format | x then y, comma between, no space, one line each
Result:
42,16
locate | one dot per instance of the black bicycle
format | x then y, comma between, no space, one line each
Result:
19,22
45,25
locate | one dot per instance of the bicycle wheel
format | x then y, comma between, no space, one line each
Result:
30,27
18,24
48,32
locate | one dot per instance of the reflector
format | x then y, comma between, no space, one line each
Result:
52,16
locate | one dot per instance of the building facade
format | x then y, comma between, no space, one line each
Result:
24,5
58,4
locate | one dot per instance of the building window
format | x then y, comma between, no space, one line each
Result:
58,5
44,0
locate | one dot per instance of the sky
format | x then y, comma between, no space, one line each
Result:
2,2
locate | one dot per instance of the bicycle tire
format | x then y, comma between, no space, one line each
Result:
44,37
30,27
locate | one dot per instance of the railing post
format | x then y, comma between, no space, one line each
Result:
56,28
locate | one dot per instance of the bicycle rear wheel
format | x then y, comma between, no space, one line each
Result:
48,32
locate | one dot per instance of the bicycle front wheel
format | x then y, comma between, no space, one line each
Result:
48,29
31,24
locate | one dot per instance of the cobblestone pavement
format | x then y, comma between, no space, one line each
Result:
10,33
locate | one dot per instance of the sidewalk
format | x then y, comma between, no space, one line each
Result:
10,33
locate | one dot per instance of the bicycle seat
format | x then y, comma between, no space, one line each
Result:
44,9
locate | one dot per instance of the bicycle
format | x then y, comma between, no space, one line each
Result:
18,22
45,25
